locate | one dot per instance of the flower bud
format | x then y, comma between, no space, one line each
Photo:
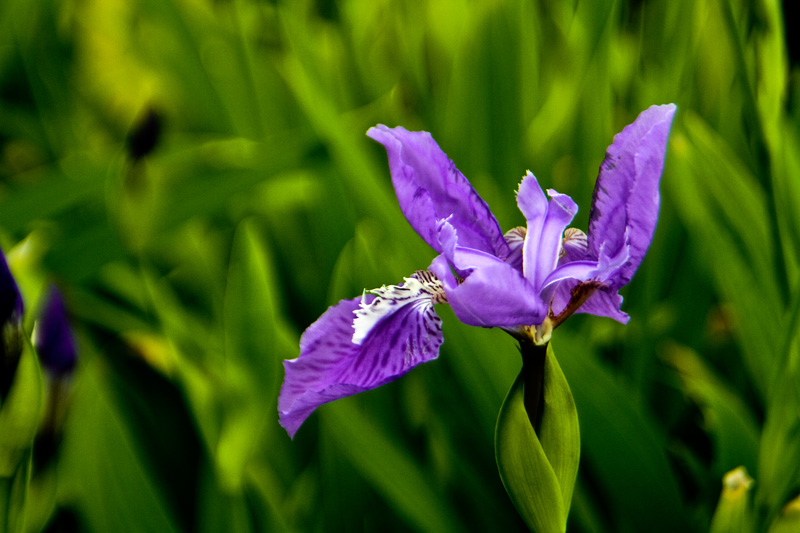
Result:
52,337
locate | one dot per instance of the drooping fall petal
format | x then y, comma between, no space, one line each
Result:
394,332
492,292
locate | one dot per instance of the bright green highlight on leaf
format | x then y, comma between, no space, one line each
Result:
19,419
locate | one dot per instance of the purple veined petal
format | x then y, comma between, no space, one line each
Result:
577,270
496,296
463,259
601,303
492,294
52,336
546,223
626,195
574,246
560,211
429,187
326,349
418,291
394,338
603,271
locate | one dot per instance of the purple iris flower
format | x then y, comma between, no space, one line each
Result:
526,281
52,337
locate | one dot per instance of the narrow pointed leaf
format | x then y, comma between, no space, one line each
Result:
788,520
19,414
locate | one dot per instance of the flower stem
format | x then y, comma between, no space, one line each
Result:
533,359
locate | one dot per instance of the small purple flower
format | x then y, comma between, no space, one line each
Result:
52,337
526,281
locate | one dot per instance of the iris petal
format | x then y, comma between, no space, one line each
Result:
546,224
429,188
492,294
601,303
331,366
626,198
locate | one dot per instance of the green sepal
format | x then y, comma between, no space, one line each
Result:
537,442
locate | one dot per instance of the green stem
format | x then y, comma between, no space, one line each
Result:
533,358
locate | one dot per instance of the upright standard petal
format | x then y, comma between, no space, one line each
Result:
546,223
626,199
397,330
429,188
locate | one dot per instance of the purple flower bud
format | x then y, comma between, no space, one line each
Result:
52,336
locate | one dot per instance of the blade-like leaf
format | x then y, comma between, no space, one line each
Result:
19,418
111,484
622,445
19,414
730,422
389,468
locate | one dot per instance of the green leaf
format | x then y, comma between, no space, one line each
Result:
257,340
101,467
788,521
720,201
13,496
731,423
390,469
622,445
539,475
779,460
19,415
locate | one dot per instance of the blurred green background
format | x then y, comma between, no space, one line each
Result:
195,176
